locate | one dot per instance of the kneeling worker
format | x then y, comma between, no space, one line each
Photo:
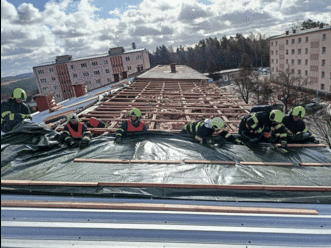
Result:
74,130
278,133
296,127
14,110
94,122
132,125
252,125
203,131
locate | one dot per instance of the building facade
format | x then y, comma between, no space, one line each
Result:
93,71
307,52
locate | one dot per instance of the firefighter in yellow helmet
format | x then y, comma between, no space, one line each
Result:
278,130
296,127
203,131
14,110
134,124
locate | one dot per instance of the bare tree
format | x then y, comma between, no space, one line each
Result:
320,125
263,90
244,82
291,88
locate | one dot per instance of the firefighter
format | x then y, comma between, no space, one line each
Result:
203,131
94,122
252,126
14,110
278,130
296,127
134,124
74,131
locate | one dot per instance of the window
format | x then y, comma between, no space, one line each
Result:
323,49
286,42
299,40
272,61
286,61
53,78
40,71
323,74
43,80
306,63
72,67
51,69
75,75
299,51
292,62
299,72
286,51
108,80
86,74
276,43
293,41
323,62
87,83
276,69
45,89
272,69
94,63
292,71
324,37
306,73
276,52
129,68
299,61
96,72
83,65
107,71
127,58
306,50
56,88
272,43
272,52
105,62
98,81
139,57
58,96
322,86
293,51
307,39
276,61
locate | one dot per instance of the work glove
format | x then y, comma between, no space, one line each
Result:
199,139
283,143
73,144
118,139
238,142
25,116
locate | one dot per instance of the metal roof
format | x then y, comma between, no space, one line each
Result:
300,32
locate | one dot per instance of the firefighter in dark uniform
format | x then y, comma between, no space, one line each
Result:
203,131
296,127
252,126
74,131
14,111
278,130
94,122
134,124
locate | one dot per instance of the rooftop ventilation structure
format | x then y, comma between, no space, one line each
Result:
173,68
116,51
64,58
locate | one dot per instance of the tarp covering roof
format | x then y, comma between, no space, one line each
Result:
30,152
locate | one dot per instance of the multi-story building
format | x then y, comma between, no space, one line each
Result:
93,71
307,52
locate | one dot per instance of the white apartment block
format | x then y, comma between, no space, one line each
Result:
93,71
307,52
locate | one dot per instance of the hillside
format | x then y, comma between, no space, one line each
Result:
8,84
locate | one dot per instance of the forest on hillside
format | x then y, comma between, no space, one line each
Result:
28,84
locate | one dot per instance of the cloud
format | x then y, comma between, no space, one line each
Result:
8,11
28,13
189,13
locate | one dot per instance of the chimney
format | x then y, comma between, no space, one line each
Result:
173,67
321,25
294,31
287,32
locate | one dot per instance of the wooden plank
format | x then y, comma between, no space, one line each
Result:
154,207
125,161
189,161
267,163
304,145
171,185
315,164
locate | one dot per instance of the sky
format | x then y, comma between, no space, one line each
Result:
36,31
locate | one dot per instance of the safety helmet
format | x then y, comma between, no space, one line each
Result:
135,112
72,116
276,116
252,121
19,94
94,122
217,123
298,111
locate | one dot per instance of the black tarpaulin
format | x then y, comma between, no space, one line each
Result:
30,152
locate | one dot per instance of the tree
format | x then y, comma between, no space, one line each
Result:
321,125
244,81
263,90
291,88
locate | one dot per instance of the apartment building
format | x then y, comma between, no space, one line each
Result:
94,71
307,52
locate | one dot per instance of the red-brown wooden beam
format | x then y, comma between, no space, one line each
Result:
315,164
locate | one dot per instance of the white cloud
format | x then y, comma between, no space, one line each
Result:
8,11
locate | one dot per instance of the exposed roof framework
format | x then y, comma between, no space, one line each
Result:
168,105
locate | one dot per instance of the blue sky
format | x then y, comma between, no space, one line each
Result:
34,32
